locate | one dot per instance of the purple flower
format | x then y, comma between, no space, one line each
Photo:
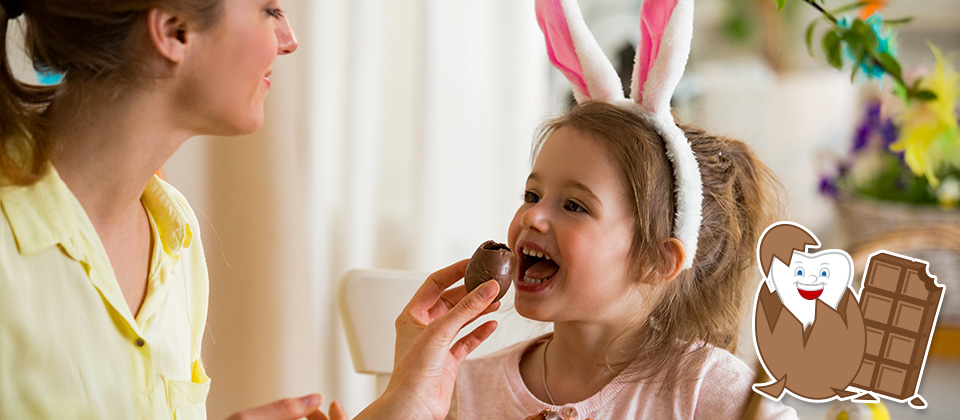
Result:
862,136
873,113
888,132
827,186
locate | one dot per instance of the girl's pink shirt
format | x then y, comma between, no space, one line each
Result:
491,387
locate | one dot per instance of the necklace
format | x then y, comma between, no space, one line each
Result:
545,347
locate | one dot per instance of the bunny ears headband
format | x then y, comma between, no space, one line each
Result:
666,28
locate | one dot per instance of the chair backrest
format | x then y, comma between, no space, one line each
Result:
370,300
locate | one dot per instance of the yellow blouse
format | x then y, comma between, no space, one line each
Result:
70,347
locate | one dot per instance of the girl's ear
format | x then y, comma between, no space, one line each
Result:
666,28
168,34
574,51
675,257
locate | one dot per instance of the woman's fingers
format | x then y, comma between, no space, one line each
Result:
466,310
317,415
337,413
450,298
466,345
285,409
432,289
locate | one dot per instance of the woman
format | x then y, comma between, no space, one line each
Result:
103,285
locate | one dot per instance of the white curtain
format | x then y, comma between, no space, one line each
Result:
397,136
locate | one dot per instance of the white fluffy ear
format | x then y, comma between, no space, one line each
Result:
666,28
574,51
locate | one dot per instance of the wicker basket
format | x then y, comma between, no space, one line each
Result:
862,219
927,233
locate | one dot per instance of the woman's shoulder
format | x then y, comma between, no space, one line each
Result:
173,196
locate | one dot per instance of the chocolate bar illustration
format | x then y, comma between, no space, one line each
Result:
899,302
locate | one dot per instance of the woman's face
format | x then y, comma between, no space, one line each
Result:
228,75
576,213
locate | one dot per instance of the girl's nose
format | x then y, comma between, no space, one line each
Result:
287,40
535,218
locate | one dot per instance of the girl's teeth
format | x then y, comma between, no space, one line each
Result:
529,280
536,254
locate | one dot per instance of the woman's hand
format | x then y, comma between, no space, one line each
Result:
431,302
425,363
292,409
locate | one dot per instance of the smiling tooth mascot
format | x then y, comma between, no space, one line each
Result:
807,324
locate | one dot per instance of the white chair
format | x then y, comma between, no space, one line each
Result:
369,302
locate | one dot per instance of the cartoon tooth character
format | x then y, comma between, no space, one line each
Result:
815,346
824,275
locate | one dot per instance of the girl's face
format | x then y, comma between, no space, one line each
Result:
229,74
576,215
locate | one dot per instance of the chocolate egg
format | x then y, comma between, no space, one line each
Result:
817,361
491,261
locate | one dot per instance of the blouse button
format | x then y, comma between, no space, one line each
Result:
568,412
140,342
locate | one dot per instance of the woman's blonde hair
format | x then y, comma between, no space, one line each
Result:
87,41
704,304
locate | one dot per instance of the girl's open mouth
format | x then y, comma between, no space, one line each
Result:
536,271
810,291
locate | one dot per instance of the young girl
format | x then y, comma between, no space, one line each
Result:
645,315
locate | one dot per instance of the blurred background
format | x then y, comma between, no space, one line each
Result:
399,134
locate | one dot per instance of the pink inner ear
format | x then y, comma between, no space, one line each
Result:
560,48
654,16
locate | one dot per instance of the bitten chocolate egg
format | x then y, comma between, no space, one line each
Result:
491,261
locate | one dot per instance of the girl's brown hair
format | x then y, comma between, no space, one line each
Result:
88,42
704,304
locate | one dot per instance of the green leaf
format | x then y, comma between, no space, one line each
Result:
925,95
900,21
901,92
848,7
889,64
831,46
780,4
864,34
809,36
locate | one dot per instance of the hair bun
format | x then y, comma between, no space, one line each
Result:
12,8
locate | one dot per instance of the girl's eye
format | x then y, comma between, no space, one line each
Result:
574,207
799,271
824,272
530,197
276,13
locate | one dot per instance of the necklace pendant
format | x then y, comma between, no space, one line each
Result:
547,415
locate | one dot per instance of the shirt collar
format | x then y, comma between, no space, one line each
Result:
169,215
44,214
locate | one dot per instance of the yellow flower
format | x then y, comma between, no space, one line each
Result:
929,133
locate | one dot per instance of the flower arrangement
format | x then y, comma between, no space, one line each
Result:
907,147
